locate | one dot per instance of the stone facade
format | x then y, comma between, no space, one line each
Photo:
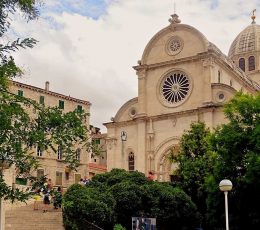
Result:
182,78
50,165
98,163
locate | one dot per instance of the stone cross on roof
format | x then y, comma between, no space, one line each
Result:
175,19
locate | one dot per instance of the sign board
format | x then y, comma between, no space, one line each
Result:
143,223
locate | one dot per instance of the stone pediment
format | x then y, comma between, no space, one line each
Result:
174,42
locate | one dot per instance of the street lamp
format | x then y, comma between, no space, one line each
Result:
123,136
225,186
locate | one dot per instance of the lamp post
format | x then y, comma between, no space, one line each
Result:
225,186
123,139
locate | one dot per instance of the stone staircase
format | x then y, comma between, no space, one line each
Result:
25,218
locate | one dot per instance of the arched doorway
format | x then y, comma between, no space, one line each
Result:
163,165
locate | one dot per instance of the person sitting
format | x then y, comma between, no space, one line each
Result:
86,180
81,182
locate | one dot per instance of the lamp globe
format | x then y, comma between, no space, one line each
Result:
225,185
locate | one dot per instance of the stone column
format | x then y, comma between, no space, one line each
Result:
208,74
141,146
150,147
141,92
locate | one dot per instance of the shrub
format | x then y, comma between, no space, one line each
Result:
117,196
87,204
119,227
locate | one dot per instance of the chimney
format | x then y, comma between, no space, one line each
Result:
47,86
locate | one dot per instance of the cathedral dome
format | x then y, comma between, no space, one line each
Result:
247,41
245,51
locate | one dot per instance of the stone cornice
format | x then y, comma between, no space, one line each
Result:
40,90
214,56
98,136
203,108
169,63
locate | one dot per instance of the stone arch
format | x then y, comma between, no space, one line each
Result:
120,113
163,166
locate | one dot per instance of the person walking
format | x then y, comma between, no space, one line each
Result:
37,199
47,189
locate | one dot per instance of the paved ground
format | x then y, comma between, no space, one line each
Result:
25,218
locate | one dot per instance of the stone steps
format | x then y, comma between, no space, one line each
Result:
25,218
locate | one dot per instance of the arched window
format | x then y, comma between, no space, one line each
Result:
131,162
219,76
251,63
242,64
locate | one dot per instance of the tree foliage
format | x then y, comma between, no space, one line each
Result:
237,144
23,122
231,151
195,162
130,195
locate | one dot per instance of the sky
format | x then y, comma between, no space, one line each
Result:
87,48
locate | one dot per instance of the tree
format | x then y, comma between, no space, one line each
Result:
195,162
84,205
237,144
47,128
129,194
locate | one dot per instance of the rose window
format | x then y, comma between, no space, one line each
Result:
174,45
175,87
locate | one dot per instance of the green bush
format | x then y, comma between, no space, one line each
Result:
82,203
115,197
119,227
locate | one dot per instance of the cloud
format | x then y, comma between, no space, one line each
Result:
90,55
88,8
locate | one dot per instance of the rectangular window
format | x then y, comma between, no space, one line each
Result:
40,173
96,141
39,151
61,104
67,176
79,108
41,100
58,178
59,153
21,181
77,178
20,93
78,151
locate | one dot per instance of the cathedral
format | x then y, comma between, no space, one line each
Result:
182,78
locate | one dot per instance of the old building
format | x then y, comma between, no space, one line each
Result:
98,163
182,78
50,162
